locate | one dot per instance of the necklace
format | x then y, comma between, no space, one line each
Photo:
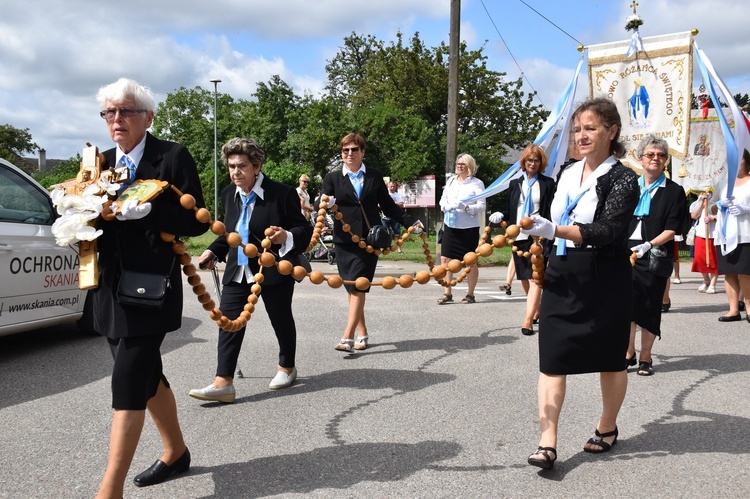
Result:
267,259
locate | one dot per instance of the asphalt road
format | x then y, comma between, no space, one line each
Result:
443,404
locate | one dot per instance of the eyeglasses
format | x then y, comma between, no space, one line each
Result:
110,114
460,164
533,160
305,181
650,155
349,150
240,166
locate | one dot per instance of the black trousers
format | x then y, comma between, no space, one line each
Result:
277,300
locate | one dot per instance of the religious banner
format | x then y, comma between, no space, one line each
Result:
652,90
705,164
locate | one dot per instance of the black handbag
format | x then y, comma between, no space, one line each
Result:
142,290
659,262
378,236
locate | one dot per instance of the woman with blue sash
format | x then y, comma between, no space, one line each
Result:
657,218
529,194
584,321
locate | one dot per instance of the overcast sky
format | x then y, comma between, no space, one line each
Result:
54,55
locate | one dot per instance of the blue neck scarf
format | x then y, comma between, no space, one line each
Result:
528,204
644,203
565,220
356,179
244,226
126,161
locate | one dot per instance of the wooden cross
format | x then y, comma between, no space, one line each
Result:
634,5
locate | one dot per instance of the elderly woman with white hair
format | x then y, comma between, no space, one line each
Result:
461,222
132,242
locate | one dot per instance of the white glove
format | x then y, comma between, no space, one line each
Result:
418,227
739,209
641,249
726,203
461,206
542,227
331,201
131,210
496,218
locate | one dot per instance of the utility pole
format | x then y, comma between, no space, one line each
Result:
452,128
216,159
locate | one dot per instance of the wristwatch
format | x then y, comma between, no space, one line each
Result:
466,208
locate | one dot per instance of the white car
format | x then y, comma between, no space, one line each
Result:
38,278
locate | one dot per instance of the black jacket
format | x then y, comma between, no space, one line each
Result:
374,198
137,244
279,207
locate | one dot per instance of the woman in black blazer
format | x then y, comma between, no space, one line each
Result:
132,241
265,204
542,189
356,188
658,217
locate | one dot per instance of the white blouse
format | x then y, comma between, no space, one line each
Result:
569,187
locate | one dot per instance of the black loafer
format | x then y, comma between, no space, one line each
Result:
526,331
666,306
730,318
158,472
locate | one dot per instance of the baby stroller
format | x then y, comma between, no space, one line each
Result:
324,250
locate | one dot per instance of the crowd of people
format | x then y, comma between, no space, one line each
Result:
595,218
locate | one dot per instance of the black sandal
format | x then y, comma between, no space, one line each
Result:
506,288
599,440
548,462
645,368
445,298
631,360
468,299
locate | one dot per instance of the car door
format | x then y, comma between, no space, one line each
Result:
38,278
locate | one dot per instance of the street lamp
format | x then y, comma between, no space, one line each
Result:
216,161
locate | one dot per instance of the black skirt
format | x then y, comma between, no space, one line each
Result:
523,265
353,262
648,292
137,370
457,242
736,262
584,321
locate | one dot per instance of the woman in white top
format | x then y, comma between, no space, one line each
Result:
584,321
461,222
735,265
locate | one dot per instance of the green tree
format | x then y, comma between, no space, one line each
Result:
495,115
66,170
186,117
394,94
14,142
742,100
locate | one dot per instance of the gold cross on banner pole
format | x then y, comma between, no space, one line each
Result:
634,5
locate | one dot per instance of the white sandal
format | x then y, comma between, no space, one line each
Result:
361,343
345,345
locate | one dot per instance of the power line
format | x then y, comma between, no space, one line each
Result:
523,75
553,24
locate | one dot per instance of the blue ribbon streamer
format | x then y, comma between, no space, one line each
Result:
561,112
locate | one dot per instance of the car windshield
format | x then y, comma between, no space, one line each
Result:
21,202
